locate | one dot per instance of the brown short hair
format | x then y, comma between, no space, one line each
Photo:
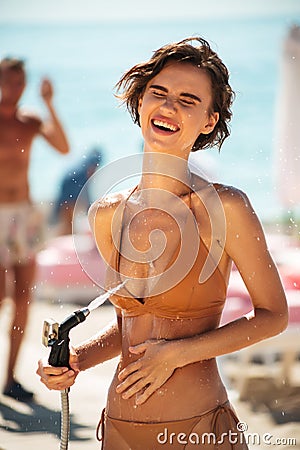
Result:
12,64
134,81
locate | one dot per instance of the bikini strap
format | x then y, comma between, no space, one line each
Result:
121,229
233,420
101,428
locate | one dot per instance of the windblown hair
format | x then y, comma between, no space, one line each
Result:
131,86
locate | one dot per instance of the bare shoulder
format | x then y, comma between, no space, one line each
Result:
29,118
214,195
101,215
102,210
107,203
232,198
241,218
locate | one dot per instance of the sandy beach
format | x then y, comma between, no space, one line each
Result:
37,425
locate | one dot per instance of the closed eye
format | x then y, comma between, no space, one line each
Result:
189,98
187,102
158,93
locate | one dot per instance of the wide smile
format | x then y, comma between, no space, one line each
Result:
164,126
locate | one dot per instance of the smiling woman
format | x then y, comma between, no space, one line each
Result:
194,91
177,101
171,240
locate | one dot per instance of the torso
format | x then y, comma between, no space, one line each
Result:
195,388
191,390
16,135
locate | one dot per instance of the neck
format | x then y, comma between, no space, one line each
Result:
8,109
166,172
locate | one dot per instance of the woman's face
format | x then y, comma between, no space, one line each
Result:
174,109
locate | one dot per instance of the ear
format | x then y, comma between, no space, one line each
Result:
140,104
212,121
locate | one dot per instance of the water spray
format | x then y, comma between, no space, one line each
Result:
56,336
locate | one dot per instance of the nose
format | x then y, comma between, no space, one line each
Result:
169,105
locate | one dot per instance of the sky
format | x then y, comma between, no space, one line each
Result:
125,10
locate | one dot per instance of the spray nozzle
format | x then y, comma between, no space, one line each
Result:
56,335
72,321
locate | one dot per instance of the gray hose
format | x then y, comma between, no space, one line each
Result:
65,420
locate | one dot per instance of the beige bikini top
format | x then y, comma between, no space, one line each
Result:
186,298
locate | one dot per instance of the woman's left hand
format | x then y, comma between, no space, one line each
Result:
148,373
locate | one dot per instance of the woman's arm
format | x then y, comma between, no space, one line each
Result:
101,347
107,343
246,246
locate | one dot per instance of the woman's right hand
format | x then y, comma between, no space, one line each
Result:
58,378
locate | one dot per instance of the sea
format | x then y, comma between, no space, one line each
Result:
85,61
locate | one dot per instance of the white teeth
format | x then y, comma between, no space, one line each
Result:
163,124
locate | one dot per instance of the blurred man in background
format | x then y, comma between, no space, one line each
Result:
71,186
20,223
